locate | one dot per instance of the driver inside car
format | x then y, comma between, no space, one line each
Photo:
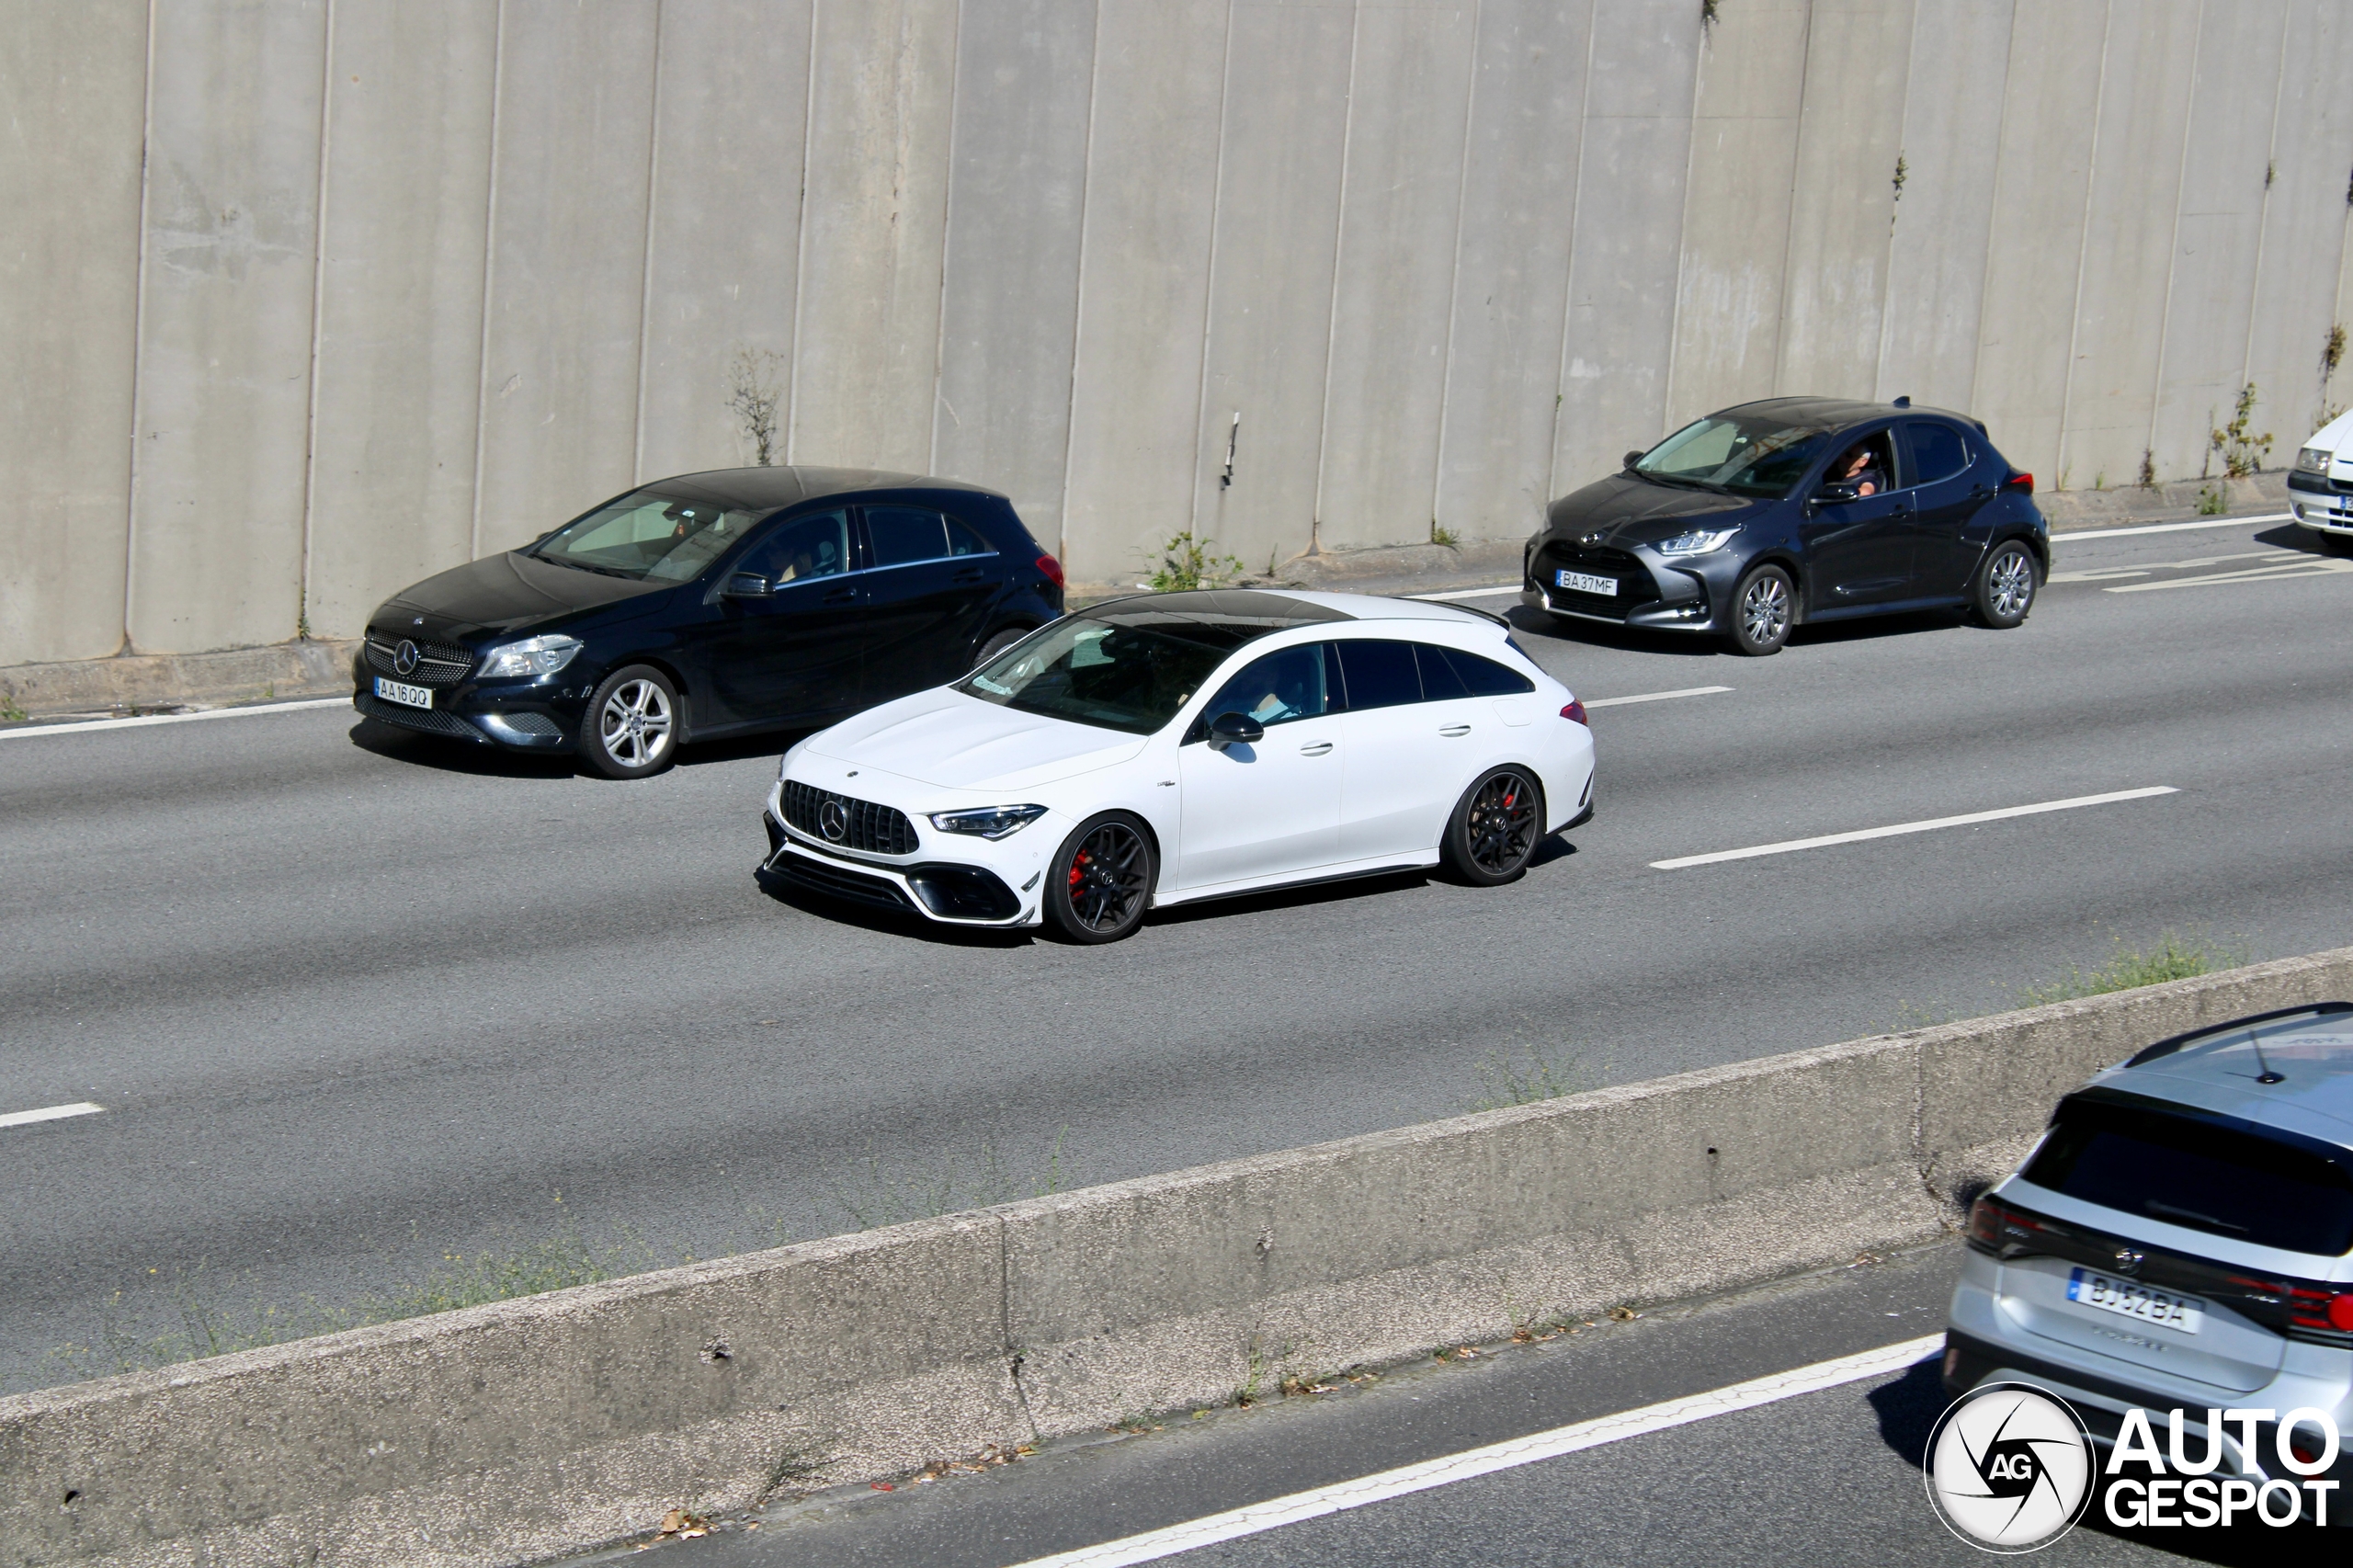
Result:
1858,474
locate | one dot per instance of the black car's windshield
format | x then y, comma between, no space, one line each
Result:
646,535
1739,454
1116,676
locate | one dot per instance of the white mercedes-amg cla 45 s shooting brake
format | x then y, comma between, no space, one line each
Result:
1170,747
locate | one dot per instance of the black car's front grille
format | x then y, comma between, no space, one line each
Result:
438,664
839,882
432,720
1635,587
862,824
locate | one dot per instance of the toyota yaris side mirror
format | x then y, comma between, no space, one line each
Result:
746,585
1234,729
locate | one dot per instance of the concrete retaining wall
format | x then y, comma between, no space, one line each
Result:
320,296
507,1433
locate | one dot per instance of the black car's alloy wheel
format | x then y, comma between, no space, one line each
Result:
632,727
2004,587
1494,829
1100,883
1762,609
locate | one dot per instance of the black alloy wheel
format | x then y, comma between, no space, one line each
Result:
1494,829
631,727
2003,590
1763,610
998,643
1101,881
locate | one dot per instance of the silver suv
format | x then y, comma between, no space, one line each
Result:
2179,1240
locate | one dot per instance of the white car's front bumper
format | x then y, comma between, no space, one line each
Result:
956,879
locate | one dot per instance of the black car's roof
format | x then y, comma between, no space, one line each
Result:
766,489
1833,412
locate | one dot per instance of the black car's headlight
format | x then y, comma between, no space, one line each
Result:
1697,541
987,821
532,656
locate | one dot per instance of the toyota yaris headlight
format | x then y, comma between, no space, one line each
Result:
1697,541
988,821
532,656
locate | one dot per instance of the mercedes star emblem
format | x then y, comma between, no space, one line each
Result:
832,820
404,657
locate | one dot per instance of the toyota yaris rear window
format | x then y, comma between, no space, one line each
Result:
2186,1171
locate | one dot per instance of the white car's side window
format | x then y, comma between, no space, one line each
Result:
1294,683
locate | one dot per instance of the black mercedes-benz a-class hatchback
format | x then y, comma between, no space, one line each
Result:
709,605
1762,517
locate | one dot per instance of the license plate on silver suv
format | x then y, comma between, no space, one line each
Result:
401,692
2130,1299
1586,583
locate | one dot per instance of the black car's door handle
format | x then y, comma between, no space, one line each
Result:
841,597
971,575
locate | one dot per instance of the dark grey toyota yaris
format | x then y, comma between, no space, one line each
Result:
1769,516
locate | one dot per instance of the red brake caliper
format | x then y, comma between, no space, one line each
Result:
1076,874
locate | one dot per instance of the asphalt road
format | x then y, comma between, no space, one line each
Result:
1831,1477
355,1002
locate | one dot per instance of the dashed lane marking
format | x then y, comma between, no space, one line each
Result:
49,1113
1655,695
1859,835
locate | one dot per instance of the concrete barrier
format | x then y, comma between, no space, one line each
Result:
512,1432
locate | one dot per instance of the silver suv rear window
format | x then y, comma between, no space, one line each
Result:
2188,1171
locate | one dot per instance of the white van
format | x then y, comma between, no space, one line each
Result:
2320,487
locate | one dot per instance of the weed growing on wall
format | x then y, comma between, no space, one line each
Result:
1187,561
1530,1075
2173,957
1444,536
2212,502
2148,480
752,396
2241,451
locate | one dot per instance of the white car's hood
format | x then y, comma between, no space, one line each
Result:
944,738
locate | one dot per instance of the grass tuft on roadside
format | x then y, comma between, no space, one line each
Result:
2174,956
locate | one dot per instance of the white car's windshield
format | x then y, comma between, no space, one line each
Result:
1119,677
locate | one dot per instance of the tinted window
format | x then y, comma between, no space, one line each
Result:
901,534
1439,682
1278,688
1484,676
964,540
1379,675
1118,677
1937,452
806,547
2188,1172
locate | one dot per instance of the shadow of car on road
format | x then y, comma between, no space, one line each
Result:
1907,1410
1703,645
398,744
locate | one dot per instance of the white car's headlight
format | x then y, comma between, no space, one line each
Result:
1698,541
2312,459
987,821
532,656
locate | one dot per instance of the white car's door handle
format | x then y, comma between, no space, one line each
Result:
1454,729
1315,748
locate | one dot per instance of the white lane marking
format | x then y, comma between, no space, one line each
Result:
1277,1512
83,726
1656,696
1466,593
2072,535
1861,834
2315,566
49,1113
2112,573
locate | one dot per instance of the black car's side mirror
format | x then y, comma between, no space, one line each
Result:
746,586
1230,729
1631,458
1835,494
